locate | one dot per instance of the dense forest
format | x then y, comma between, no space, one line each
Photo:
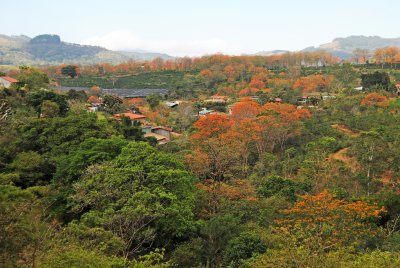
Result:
297,164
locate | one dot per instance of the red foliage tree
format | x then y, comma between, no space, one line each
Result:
374,99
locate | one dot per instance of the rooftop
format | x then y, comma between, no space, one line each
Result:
9,79
131,116
157,136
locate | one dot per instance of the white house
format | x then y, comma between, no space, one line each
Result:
205,111
7,81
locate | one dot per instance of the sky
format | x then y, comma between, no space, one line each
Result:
193,28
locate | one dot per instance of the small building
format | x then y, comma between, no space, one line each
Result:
205,111
133,117
171,104
303,100
7,81
164,131
160,139
359,88
328,97
217,98
162,134
94,106
146,129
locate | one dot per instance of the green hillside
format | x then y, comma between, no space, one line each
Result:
159,79
50,49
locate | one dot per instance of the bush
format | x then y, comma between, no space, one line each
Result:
243,247
286,188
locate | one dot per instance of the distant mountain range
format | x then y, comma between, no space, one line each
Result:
344,47
49,49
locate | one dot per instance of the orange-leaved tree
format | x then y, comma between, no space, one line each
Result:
93,99
246,108
282,121
212,125
215,143
216,152
321,222
313,83
374,99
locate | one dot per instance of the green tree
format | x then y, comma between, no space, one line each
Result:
131,130
243,247
286,188
79,95
90,151
153,100
14,223
207,249
32,169
23,233
141,195
37,98
49,109
345,76
32,78
375,80
57,136
113,104
372,152
79,257
69,70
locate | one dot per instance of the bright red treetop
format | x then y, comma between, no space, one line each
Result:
212,125
245,108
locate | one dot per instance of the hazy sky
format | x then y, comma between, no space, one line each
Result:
185,27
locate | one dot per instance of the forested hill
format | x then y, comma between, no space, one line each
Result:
244,162
49,49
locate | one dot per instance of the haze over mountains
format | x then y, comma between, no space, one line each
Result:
49,49
343,47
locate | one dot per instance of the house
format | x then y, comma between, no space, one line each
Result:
133,117
164,131
205,111
303,100
171,104
359,88
162,134
328,97
7,81
255,98
217,98
94,106
160,139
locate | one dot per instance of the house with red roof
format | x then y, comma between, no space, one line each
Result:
7,81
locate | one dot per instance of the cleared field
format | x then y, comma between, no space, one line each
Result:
161,79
